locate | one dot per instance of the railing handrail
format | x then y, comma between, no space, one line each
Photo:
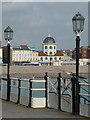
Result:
11,78
39,81
82,94
23,79
84,84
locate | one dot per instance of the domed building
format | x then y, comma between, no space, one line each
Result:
49,46
49,51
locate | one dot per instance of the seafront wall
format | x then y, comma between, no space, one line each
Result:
39,71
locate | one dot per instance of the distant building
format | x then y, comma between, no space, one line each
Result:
49,51
24,47
85,52
24,54
67,52
49,54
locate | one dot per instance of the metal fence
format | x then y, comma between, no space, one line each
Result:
23,88
58,93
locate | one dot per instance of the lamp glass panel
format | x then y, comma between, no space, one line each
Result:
74,25
82,25
8,35
78,25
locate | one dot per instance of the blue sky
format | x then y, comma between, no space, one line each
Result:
33,21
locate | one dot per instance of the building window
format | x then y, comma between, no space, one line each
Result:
45,58
54,47
55,58
50,58
50,53
50,47
41,58
60,58
45,52
45,47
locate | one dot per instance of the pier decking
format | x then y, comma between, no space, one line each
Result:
12,110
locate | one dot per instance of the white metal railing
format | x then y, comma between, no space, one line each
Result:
84,94
19,85
84,84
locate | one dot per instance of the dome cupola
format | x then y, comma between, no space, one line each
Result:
49,46
49,40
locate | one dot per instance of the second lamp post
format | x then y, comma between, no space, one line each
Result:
8,34
78,25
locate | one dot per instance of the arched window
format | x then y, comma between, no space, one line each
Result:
41,58
50,53
50,58
45,52
45,58
60,58
50,47
45,47
55,58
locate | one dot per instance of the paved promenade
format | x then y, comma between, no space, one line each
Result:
12,110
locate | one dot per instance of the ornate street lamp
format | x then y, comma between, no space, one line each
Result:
8,34
78,23
78,26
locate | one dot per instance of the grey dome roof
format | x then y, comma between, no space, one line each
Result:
49,39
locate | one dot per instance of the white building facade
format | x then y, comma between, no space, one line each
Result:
24,55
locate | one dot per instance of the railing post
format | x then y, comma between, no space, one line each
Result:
19,91
30,93
73,81
8,89
8,72
59,90
46,85
77,97
77,74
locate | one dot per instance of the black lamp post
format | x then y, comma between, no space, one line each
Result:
78,25
8,34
